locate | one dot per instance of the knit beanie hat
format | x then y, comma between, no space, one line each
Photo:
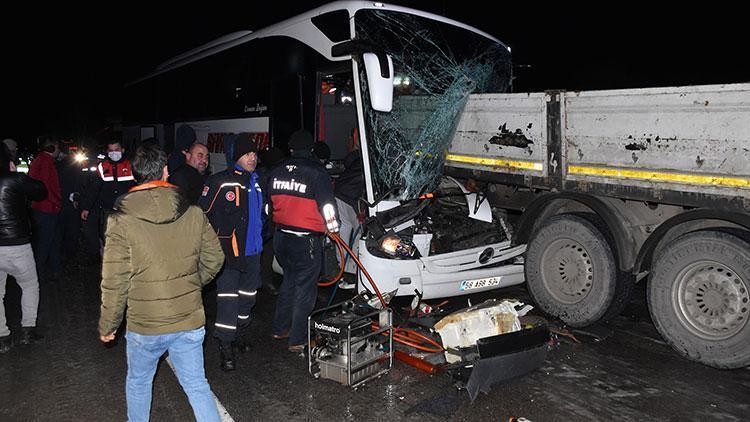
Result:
243,145
301,139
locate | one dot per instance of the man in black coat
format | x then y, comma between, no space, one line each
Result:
16,255
191,176
349,188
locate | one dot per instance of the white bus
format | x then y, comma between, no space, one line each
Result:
345,65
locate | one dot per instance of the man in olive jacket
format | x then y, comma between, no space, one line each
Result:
159,253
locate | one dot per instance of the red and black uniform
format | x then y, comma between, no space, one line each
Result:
301,201
112,179
115,179
299,190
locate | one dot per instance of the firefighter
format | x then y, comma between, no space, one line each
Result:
233,202
303,207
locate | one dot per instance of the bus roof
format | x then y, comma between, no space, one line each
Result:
301,28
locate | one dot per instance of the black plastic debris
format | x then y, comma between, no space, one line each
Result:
503,368
500,359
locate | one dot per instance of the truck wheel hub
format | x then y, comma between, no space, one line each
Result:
711,300
567,271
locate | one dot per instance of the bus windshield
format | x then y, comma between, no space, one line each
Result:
436,66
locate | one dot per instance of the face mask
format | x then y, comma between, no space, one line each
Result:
114,155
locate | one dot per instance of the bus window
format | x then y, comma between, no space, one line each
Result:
335,25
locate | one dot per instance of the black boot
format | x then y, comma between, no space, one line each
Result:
29,335
271,288
241,344
5,344
226,354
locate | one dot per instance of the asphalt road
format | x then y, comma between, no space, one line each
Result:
631,375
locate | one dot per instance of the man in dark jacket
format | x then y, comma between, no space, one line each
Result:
349,188
16,255
70,174
233,201
191,176
301,200
114,178
159,253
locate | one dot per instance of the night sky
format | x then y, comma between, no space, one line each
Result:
63,67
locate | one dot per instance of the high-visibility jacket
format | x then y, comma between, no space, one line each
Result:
114,179
233,203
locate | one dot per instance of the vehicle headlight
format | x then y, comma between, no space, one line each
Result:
395,246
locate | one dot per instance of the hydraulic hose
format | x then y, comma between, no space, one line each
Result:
336,238
414,339
353,238
402,335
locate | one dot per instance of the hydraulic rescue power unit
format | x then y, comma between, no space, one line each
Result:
350,343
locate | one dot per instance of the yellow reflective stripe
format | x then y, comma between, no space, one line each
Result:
495,162
660,176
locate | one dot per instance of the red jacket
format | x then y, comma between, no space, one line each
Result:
43,169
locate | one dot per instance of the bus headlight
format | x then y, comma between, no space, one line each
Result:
395,246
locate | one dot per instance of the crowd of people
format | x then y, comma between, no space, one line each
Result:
164,233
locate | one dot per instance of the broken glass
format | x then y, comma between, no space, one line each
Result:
437,66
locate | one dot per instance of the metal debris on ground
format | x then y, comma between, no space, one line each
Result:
489,318
565,333
598,332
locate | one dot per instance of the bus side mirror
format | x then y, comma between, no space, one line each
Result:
379,68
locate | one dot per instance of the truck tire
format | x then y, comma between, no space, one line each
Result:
570,270
698,298
621,298
625,280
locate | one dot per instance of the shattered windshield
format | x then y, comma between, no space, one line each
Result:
436,67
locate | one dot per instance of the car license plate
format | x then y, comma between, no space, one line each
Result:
479,283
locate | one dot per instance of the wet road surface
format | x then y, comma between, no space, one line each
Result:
630,375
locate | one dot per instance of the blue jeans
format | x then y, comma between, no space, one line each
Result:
186,352
301,259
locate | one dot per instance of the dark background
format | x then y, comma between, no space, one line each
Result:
63,66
